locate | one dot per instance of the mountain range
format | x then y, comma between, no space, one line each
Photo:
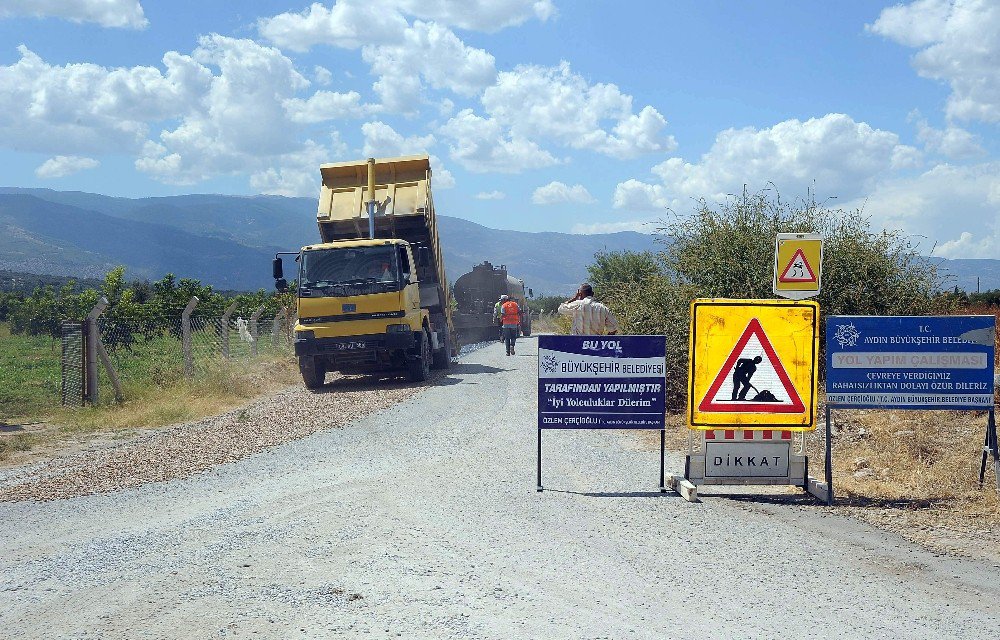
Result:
228,241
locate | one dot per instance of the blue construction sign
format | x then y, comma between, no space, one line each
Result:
910,362
601,382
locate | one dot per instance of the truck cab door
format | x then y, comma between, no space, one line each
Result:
411,290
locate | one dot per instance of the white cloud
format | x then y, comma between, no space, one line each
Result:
326,105
558,192
431,52
956,208
382,141
553,102
239,124
480,145
641,226
61,166
491,195
107,13
480,15
295,174
322,76
952,141
959,42
348,24
443,179
87,108
842,157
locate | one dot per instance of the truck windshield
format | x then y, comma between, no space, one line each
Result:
354,270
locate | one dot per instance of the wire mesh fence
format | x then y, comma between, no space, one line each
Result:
72,364
163,351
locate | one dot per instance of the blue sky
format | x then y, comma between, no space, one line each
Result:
538,114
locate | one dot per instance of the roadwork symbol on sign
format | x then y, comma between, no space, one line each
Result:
752,360
798,265
798,269
753,364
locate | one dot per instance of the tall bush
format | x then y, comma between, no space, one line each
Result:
727,251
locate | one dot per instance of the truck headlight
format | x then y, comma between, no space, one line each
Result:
397,328
305,335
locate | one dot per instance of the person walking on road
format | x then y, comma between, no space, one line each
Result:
496,316
590,317
510,320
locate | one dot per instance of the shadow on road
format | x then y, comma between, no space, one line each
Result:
617,494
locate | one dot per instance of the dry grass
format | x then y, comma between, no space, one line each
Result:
212,392
551,323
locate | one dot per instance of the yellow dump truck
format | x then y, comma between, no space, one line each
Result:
372,296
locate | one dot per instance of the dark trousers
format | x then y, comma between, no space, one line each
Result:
510,337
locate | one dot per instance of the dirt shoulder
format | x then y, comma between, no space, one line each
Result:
915,474
109,461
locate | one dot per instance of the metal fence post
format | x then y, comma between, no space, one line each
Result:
186,336
277,325
224,329
253,331
93,335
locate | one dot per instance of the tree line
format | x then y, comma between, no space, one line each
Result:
145,307
726,250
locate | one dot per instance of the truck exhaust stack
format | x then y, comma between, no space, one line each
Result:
371,198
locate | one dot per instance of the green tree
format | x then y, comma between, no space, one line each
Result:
727,251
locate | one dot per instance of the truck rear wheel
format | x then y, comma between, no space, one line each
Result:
313,372
526,327
419,368
442,357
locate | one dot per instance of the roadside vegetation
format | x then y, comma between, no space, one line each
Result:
893,460
141,331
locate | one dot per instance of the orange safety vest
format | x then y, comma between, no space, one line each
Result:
510,313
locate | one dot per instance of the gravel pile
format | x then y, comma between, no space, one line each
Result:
186,449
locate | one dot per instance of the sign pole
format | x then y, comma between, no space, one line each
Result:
828,462
539,488
663,446
990,447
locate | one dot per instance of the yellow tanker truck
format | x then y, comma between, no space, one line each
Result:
372,295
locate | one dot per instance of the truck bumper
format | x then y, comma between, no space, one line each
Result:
348,345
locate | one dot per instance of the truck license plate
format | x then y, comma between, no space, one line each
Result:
346,346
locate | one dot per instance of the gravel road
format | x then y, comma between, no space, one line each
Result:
421,520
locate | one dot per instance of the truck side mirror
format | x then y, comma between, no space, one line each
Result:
531,294
281,285
277,270
423,256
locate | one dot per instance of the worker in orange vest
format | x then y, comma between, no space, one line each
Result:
510,319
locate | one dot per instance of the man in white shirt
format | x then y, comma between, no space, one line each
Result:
590,318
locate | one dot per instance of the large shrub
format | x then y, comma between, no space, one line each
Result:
727,251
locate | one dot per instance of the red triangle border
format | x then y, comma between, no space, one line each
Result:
805,261
754,328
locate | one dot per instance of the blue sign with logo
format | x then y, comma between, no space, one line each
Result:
601,382
910,362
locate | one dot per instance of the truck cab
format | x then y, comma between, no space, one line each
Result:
371,304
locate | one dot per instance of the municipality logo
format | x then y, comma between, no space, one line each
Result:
549,364
847,335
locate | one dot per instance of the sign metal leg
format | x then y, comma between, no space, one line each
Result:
539,487
828,461
663,445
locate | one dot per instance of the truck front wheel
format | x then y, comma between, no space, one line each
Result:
313,372
419,368
442,357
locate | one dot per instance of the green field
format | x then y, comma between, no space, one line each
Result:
30,368
29,375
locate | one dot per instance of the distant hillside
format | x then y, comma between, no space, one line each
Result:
228,241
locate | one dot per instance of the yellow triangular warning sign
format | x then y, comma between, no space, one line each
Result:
798,269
